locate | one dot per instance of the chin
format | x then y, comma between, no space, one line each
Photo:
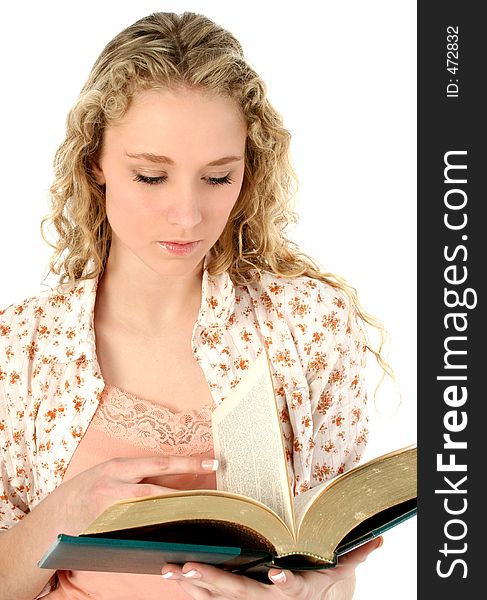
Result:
177,266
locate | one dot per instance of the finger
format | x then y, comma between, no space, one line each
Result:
173,572
290,583
133,470
196,592
358,555
220,582
347,563
141,490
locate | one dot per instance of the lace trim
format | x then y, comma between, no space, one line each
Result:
149,425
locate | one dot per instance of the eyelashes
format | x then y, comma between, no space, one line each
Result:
149,180
219,180
161,179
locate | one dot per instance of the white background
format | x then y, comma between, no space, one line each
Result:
343,75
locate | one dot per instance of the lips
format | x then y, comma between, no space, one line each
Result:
178,247
179,242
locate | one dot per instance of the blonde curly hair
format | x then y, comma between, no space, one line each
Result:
170,50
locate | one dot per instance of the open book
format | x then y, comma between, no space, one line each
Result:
251,520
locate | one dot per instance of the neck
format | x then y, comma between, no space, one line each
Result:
146,302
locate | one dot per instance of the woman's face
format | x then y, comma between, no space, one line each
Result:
173,168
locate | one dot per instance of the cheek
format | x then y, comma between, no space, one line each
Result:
221,210
218,212
125,211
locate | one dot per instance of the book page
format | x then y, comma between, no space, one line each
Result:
368,486
248,443
303,501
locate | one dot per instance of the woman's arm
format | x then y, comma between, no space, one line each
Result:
20,548
70,508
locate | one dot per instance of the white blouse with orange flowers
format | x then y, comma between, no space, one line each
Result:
51,384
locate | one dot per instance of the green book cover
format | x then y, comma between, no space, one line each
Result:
85,553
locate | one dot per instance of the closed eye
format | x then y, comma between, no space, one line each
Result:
162,178
149,180
219,180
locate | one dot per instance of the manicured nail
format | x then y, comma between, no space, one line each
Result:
279,577
209,464
194,574
168,575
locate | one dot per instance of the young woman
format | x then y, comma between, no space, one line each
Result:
170,202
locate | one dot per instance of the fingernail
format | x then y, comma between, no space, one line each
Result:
209,465
194,574
279,577
168,575
381,541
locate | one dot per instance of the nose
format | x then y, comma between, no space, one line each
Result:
184,210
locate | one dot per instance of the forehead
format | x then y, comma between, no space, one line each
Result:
182,116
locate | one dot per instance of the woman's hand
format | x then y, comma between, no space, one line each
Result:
205,582
81,499
72,506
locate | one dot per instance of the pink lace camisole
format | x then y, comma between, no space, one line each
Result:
125,425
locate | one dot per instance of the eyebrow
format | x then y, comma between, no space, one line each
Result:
157,158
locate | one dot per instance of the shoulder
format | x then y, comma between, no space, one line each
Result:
302,302
17,318
26,324
279,287
27,312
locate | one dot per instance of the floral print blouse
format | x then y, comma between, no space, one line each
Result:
51,384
